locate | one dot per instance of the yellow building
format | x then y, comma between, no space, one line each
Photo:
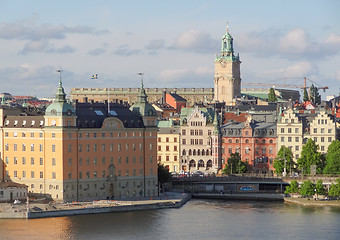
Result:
90,151
168,148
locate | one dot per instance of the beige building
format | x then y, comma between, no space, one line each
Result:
200,140
290,133
227,73
294,128
168,148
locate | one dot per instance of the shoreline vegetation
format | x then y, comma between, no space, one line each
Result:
312,202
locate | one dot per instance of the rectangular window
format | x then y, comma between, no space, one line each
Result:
32,134
184,141
111,147
322,130
15,173
322,139
167,148
103,161
296,139
6,160
183,132
329,130
15,160
80,148
289,139
315,139
53,148
40,135
127,160
41,161
15,148
53,161
32,160
23,147
167,139
87,147
289,130
69,148
80,162
41,149
175,139
175,148
103,147
296,148
24,174
54,175
95,147
80,175
6,147
282,139
119,147
329,139
23,160
322,148
296,130
159,148
315,130
41,175
32,174
53,135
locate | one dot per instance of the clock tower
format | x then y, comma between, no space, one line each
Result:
227,73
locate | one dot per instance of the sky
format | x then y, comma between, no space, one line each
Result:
174,43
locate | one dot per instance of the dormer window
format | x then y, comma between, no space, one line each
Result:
15,123
7,122
33,122
24,123
41,123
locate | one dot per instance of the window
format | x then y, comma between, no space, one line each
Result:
184,142
15,160
322,139
15,148
80,148
53,161
167,139
315,130
296,148
41,175
329,139
103,147
15,173
289,130
289,139
32,134
70,161
296,130
270,150
23,160
119,147
32,160
282,139
329,130
41,160
24,174
53,147
53,135
296,139
175,148
263,150
54,175
175,139
282,130
95,147
150,146
183,132
87,147
32,147
69,148
127,160
32,174
159,148
41,148
167,148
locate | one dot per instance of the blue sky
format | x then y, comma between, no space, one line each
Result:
173,43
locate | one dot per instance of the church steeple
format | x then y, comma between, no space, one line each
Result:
227,44
142,97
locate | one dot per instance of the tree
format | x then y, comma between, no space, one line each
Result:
335,189
320,188
333,158
283,155
305,95
271,95
310,156
164,175
293,187
307,188
235,165
315,97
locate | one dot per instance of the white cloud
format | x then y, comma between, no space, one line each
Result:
172,74
196,41
294,41
333,39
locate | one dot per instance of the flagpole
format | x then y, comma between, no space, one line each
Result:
108,102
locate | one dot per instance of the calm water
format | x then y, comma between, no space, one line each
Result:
198,219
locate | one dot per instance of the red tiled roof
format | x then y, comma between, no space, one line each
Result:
233,117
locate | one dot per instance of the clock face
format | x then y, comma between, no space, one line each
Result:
223,63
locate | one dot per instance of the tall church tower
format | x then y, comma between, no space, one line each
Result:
227,73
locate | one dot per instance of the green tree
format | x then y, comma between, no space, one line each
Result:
307,188
310,156
283,155
164,175
293,187
272,96
235,165
315,97
334,190
320,188
333,158
305,95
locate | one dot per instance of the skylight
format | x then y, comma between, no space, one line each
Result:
113,113
99,113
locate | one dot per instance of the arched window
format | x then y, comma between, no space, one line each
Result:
263,141
203,153
201,163
183,152
192,163
194,152
190,153
230,141
209,164
198,152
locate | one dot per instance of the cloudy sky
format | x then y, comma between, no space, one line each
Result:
173,43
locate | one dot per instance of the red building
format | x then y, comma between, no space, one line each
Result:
176,101
254,141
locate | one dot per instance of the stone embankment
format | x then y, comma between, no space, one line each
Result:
171,200
312,202
241,196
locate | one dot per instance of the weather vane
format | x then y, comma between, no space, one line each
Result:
227,27
59,70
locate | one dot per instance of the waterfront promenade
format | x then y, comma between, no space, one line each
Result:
40,210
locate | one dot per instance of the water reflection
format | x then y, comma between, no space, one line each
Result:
198,219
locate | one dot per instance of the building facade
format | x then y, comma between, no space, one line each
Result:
198,150
90,151
168,148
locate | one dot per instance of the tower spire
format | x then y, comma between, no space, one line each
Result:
60,96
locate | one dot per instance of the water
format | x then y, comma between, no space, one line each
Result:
198,219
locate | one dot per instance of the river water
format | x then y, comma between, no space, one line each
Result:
198,219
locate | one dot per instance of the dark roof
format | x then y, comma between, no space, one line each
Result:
92,115
264,108
178,97
6,184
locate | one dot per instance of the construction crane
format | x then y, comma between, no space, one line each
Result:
287,85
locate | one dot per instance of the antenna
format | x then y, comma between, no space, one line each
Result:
59,70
